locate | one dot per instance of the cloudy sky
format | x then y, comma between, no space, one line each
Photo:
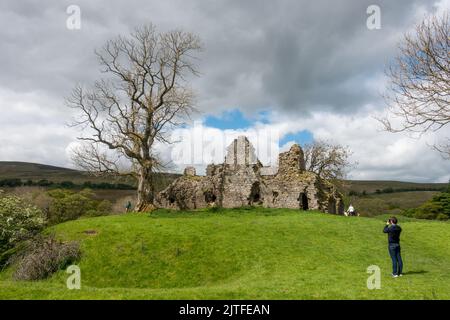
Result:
305,69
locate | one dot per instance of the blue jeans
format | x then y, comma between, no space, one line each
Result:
397,263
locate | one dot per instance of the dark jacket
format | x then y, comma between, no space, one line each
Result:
393,232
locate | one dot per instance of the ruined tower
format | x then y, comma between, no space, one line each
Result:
239,182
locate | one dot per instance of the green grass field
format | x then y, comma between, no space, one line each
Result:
244,254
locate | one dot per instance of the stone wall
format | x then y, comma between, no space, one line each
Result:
240,181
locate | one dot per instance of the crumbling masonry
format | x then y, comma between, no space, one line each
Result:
243,181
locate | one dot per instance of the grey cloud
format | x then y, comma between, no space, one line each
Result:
308,56
294,57
289,55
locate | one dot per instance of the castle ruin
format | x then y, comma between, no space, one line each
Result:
243,181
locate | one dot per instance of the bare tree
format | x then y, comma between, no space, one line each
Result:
329,161
419,92
144,97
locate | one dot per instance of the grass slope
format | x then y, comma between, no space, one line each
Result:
237,254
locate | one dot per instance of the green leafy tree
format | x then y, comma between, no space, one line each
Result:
18,221
436,208
69,205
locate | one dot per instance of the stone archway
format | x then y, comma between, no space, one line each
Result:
332,205
210,197
255,194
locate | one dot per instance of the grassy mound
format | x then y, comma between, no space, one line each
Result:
251,254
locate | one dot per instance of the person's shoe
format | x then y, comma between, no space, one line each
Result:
400,275
394,275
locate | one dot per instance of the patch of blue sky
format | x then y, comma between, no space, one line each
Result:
301,137
235,119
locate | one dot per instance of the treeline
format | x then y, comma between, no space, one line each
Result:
64,184
437,208
393,190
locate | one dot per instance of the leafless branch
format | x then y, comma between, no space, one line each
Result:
329,161
419,91
145,96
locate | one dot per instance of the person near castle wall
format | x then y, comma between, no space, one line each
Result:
128,206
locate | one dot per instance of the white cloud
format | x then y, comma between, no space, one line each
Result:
379,155
314,66
33,128
442,6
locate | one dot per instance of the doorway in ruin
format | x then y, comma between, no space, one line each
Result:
255,194
332,206
303,199
210,197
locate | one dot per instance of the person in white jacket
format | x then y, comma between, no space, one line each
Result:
350,211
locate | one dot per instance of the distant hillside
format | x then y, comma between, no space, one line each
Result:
372,186
26,170
371,198
35,172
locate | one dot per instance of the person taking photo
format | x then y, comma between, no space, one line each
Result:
393,230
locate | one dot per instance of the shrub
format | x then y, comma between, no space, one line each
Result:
213,209
436,208
18,221
67,184
409,213
102,208
387,190
44,183
44,256
10,183
69,205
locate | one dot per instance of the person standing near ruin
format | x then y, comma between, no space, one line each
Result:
351,211
128,206
393,230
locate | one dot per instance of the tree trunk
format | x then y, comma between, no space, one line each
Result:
145,192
